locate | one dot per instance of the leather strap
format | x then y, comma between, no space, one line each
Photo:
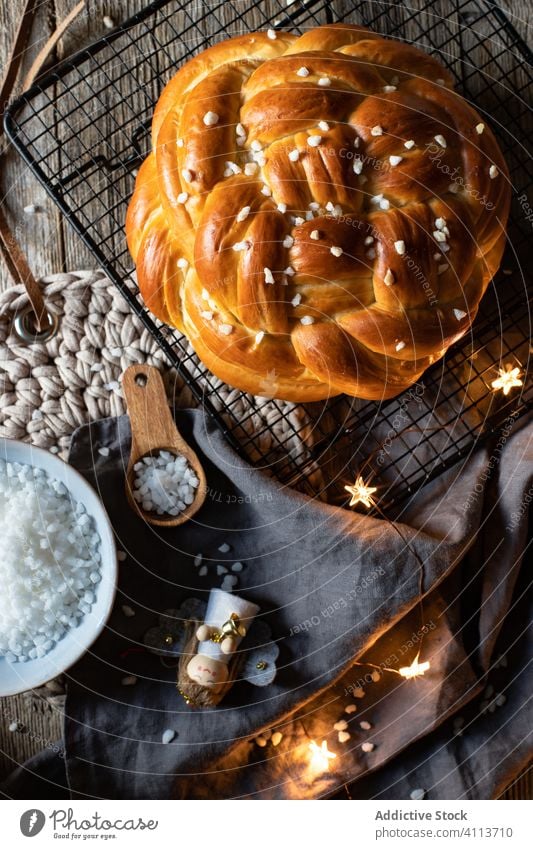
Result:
9,247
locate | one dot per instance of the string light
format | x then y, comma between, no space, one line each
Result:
416,669
361,492
508,377
320,756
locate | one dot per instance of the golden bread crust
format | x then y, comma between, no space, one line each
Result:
282,223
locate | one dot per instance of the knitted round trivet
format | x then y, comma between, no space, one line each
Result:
48,389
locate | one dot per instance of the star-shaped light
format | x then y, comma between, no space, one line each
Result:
361,492
320,756
415,670
507,378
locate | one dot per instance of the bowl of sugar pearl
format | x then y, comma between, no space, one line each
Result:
58,566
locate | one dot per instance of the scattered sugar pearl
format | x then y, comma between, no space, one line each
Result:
341,725
104,451
108,22
224,548
302,72
410,143
324,82
289,270
376,131
269,277
323,125
357,165
296,300
371,254
395,160
226,329
164,483
359,693
221,570
127,611
237,567
389,88
336,250
479,128
368,747
121,556
288,242
418,794
271,34
128,680
384,203
202,571
459,314
210,119
314,141
229,582
243,214
366,726
282,207
208,315
307,319
276,738
350,709
261,742
368,240
400,346
294,155
240,246
168,736
399,247
187,174
259,337
375,675
183,263
493,172
315,235
389,278
440,140
343,736
13,726
439,236
180,142
31,209
183,197
266,190
198,559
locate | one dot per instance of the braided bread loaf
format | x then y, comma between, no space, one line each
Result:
319,214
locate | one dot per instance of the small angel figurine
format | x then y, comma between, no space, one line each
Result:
206,676
205,640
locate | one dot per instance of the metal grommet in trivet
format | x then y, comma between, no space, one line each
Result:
24,328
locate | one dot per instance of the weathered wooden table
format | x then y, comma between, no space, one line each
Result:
51,246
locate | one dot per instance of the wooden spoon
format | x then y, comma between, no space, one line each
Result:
153,430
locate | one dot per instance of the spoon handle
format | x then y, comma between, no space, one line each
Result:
152,425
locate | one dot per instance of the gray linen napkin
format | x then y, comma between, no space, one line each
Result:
306,562
335,587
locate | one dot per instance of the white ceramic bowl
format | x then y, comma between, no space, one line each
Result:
17,677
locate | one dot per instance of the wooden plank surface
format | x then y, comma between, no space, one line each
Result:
52,246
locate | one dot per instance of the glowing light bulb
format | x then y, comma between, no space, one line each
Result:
361,492
508,377
320,756
415,670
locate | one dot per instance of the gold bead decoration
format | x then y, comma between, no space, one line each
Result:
169,639
261,664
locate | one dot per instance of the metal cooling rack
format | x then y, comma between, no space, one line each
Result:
84,129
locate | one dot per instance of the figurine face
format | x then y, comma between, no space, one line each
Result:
207,671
